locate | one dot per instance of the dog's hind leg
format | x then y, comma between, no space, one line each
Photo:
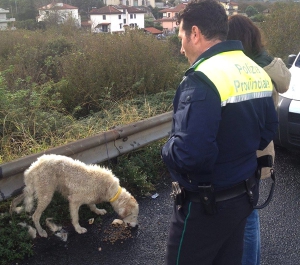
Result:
96,210
43,202
74,208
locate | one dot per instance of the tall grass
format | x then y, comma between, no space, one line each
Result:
50,82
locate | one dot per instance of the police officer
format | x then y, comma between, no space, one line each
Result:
223,113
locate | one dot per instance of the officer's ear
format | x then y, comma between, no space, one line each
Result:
196,34
194,31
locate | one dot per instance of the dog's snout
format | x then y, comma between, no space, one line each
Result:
132,226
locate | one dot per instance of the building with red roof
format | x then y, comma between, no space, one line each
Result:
153,31
116,18
60,11
168,21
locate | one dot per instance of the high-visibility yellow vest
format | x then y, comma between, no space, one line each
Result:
236,77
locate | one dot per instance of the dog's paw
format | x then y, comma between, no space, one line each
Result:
43,233
80,230
100,211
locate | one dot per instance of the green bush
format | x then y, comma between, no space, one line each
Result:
142,170
15,242
29,24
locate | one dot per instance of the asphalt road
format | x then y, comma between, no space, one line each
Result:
280,229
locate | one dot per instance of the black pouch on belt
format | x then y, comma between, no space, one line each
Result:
208,200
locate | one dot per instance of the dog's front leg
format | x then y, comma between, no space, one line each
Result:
96,210
74,208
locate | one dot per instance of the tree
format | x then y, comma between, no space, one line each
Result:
26,10
260,6
251,11
243,6
155,12
281,29
258,18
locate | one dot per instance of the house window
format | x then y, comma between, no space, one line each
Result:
169,14
133,25
131,15
104,17
120,25
119,16
135,3
134,15
124,20
104,28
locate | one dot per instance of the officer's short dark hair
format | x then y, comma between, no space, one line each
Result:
208,15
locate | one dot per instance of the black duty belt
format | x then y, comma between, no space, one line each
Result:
223,195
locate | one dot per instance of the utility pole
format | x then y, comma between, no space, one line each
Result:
16,7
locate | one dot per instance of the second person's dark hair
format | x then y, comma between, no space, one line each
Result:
243,29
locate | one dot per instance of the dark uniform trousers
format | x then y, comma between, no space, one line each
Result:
196,238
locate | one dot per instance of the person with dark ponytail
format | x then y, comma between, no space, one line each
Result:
243,29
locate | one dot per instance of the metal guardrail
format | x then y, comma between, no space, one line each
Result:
91,150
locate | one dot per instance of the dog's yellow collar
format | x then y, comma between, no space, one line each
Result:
117,195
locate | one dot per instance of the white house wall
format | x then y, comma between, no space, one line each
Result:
112,19
115,22
130,2
139,20
112,2
64,13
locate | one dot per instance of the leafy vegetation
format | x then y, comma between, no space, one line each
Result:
15,242
251,11
281,29
49,81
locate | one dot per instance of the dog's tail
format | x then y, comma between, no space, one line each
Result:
15,202
28,191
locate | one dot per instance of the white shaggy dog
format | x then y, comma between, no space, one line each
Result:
80,184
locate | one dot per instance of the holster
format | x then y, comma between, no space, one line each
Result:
208,200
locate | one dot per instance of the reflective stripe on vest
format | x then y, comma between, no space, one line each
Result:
236,77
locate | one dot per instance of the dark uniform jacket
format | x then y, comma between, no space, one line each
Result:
211,143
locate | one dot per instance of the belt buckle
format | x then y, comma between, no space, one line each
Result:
210,186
